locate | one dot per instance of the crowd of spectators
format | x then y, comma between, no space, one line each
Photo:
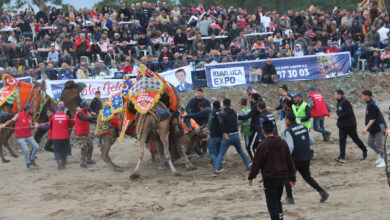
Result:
79,43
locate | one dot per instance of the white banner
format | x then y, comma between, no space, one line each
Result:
108,87
181,78
226,77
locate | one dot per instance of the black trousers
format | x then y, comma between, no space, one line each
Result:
352,132
252,145
304,169
61,149
49,146
273,188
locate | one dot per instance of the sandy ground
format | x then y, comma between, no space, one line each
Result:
358,190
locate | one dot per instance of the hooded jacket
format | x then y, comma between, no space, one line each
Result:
274,159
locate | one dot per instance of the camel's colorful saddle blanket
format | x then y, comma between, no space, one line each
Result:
145,93
103,127
160,112
7,93
112,106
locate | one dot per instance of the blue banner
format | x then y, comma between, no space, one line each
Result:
311,67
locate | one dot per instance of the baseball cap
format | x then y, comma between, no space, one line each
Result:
298,94
311,88
83,103
248,88
27,106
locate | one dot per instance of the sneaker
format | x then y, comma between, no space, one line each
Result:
324,196
91,162
32,162
83,165
223,162
381,164
340,160
378,160
215,174
290,200
28,167
219,171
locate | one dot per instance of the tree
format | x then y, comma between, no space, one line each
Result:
38,3
2,3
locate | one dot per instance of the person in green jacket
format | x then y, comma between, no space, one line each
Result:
245,124
301,110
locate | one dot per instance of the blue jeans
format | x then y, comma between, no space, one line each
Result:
1,62
377,69
214,144
234,139
23,143
318,125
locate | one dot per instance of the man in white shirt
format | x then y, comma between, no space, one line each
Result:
265,20
53,55
383,33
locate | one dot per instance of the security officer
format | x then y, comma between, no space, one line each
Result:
301,111
81,131
346,122
299,140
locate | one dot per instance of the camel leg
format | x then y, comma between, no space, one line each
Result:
145,132
136,174
165,140
2,155
189,165
5,143
108,141
160,150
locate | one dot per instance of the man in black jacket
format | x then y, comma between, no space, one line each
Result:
299,140
255,124
277,167
96,104
193,107
268,72
346,122
375,125
228,125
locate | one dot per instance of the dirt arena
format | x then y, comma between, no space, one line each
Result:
358,190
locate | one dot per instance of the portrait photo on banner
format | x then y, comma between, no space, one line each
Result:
181,78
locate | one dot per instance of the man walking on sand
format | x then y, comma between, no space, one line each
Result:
277,168
346,122
318,110
299,140
375,126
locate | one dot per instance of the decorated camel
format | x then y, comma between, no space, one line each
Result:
146,110
16,94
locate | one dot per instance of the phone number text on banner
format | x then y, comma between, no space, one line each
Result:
311,67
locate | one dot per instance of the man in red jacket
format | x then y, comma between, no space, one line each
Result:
277,168
59,125
83,47
319,109
23,124
81,130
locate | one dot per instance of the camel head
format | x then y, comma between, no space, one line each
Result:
71,95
